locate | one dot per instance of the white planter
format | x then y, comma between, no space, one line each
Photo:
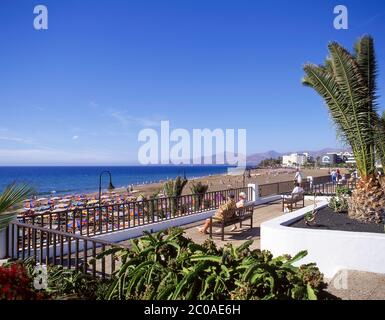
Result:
331,250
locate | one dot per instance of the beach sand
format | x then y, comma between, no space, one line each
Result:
222,182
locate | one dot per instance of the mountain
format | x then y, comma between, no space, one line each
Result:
256,158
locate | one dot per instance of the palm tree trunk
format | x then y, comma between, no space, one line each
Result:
367,202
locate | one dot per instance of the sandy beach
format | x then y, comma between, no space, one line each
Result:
222,182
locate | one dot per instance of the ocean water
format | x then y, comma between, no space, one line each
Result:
68,180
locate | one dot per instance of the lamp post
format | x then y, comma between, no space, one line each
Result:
110,188
246,174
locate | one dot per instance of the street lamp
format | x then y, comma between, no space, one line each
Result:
110,185
246,174
110,188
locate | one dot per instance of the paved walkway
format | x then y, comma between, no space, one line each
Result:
261,213
357,285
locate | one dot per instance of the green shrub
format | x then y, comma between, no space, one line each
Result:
172,267
339,203
69,284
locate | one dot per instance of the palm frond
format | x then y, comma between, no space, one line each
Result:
343,86
366,60
12,196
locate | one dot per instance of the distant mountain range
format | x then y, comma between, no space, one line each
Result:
256,158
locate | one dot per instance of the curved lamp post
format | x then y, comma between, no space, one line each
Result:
110,188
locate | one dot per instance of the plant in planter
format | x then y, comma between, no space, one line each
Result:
168,266
347,83
339,203
198,190
311,215
207,203
152,205
174,189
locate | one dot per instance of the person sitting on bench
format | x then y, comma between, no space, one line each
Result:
295,194
224,211
240,204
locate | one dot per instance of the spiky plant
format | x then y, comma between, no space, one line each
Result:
174,189
10,199
152,205
199,190
169,266
347,84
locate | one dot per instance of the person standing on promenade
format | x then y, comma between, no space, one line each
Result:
298,177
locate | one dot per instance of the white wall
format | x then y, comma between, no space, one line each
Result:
331,250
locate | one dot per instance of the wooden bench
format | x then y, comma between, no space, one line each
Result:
240,215
292,200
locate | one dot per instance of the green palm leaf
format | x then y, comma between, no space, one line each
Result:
343,86
12,196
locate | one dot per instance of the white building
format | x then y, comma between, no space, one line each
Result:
294,159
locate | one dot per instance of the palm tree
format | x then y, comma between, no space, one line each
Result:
380,140
347,84
12,196
174,189
199,190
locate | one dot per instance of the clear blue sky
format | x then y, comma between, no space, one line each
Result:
80,91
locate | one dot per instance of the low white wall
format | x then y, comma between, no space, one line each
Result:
331,250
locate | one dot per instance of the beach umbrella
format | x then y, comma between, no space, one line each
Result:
41,199
57,210
61,205
41,208
55,198
92,201
64,200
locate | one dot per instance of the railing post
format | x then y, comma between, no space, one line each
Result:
4,241
254,191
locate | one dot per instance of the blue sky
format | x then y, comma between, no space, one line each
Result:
79,92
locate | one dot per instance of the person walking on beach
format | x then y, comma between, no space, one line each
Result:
224,211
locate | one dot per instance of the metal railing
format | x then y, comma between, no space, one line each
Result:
52,247
114,217
321,185
277,188
329,188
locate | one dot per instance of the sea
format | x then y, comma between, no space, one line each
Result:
63,180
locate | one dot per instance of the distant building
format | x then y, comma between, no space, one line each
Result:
333,158
295,159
